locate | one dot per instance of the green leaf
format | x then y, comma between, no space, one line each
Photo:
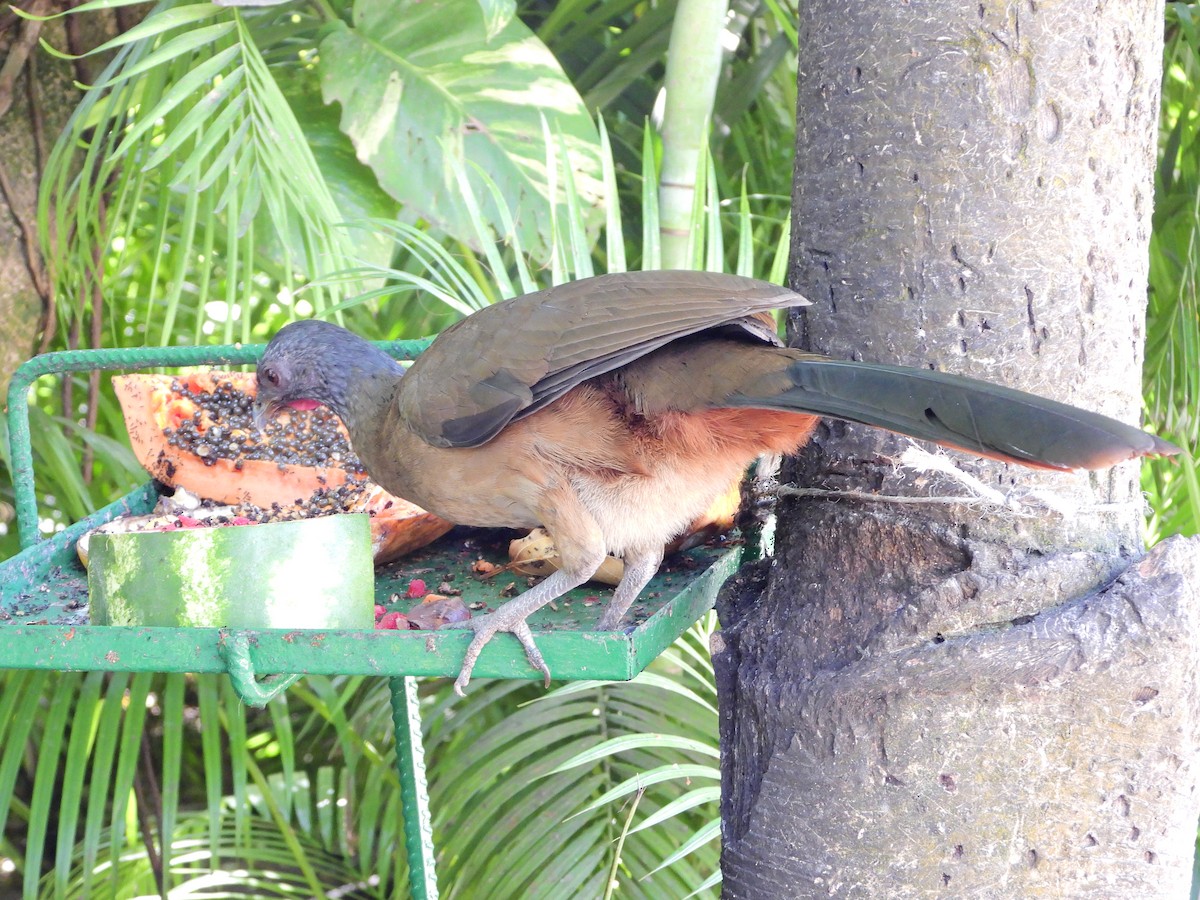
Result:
782,248
355,189
707,833
46,779
20,704
87,709
181,90
651,236
214,130
643,780
711,881
421,85
688,801
637,741
614,235
181,44
164,19
497,14
745,254
581,258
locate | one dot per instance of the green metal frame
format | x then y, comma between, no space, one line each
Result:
43,594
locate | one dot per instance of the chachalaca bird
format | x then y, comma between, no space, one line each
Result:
614,410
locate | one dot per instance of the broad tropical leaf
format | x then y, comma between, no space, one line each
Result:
423,89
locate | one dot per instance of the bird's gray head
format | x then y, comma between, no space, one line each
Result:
312,363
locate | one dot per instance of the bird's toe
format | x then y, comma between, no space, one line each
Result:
487,627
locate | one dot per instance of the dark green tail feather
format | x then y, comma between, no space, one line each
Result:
961,412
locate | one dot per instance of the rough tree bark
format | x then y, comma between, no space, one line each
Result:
24,290
38,93
970,682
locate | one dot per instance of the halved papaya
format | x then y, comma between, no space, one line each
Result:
182,442
153,409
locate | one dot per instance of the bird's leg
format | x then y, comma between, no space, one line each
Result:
640,566
511,618
581,550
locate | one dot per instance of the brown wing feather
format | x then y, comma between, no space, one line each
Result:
512,358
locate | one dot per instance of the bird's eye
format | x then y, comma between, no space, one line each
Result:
271,375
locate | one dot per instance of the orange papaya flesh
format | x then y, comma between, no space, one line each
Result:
197,431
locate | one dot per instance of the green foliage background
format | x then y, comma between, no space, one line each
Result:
211,190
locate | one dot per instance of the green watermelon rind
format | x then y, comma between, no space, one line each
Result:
309,573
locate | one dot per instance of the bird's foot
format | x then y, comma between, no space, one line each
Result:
486,627
639,569
611,619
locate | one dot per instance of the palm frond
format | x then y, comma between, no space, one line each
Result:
1172,361
185,149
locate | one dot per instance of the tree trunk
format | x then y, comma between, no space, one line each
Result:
24,291
960,677
38,93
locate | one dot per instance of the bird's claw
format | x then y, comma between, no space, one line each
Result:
485,628
610,620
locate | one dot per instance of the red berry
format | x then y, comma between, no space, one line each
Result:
416,588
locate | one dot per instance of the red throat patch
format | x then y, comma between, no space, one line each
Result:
304,404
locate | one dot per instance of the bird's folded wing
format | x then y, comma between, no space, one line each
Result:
511,359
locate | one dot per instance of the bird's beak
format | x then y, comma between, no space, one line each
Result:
264,412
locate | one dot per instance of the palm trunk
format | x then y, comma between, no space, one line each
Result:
693,66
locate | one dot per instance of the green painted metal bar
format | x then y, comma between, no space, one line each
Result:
414,792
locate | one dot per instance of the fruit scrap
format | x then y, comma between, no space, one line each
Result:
157,521
416,589
431,613
213,418
392,621
199,430
175,411
485,568
435,611
536,554
174,523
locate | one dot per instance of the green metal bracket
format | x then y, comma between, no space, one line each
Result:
234,648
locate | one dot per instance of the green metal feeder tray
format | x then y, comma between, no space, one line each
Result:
43,590
44,605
